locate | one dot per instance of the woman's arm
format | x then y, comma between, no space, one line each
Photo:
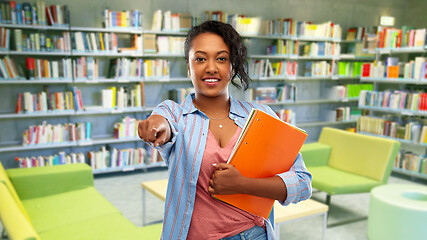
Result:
288,187
227,180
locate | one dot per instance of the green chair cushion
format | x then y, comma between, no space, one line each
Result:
109,227
67,208
46,181
334,181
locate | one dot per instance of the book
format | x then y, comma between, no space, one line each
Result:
266,146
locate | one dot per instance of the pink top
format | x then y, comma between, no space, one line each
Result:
212,218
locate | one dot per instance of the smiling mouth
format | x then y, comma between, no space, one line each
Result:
211,80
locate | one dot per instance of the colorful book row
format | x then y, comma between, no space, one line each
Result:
411,162
172,22
58,133
397,99
127,128
46,101
123,97
41,41
392,68
281,93
34,13
102,159
388,37
126,19
414,131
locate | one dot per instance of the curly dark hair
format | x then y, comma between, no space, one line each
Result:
234,42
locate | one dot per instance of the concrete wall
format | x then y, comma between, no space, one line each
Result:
416,14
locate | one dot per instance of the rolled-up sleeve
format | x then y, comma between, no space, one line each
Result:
297,181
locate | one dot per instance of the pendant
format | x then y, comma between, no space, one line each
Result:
220,126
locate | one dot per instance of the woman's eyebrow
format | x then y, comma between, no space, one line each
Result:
223,51
199,52
202,52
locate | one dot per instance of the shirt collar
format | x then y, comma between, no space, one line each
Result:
235,106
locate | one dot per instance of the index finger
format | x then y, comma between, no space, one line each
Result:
151,133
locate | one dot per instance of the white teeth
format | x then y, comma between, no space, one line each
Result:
211,80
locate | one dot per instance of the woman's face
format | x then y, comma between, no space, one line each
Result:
209,65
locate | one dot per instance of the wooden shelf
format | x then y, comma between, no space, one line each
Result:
167,33
35,81
164,55
112,30
311,101
36,27
109,80
408,142
101,111
410,173
168,80
351,41
129,168
401,50
37,114
394,80
40,53
91,142
107,54
324,123
402,112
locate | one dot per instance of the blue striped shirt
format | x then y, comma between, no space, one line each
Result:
183,155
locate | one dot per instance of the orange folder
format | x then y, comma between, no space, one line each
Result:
267,146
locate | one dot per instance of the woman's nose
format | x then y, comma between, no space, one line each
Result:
211,67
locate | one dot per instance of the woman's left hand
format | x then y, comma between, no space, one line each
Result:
225,180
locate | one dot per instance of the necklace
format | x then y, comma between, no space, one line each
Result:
212,118
218,119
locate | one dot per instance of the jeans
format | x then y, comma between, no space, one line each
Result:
255,233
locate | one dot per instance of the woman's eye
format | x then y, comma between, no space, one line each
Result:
199,59
222,59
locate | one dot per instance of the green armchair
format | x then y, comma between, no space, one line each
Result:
343,162
60,202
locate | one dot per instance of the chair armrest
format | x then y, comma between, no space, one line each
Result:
315,154
13,220
45,181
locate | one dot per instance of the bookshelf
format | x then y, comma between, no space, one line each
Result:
399,119
14,123
312,93
316,99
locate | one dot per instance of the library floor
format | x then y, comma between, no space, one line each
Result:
124,192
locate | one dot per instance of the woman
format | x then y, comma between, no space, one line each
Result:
195,139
